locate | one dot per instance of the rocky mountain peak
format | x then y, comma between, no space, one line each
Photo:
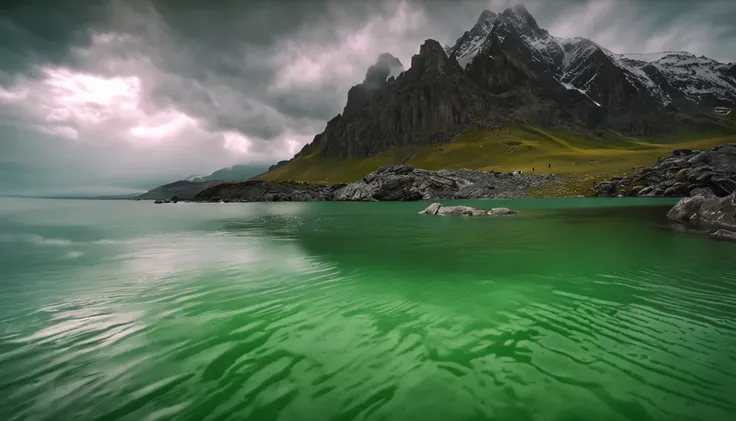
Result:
485,16
519,18
467,46
431,56
386,66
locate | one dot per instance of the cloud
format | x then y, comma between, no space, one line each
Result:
120,95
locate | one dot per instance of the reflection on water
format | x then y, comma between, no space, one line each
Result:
361,311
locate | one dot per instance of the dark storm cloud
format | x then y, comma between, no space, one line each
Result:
38,31
212,83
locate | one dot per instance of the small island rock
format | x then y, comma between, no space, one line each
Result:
438,209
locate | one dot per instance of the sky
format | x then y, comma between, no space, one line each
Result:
117,96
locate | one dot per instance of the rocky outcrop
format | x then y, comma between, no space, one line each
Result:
716,212
679,175
391,183
404,182
438,209
266,191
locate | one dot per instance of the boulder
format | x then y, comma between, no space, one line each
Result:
679,174
686,209
501,211
438,209
725,234
714,211
605,189
432,209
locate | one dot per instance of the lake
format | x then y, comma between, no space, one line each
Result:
575,309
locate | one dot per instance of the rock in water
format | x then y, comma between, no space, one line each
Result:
501,211
686,209
725,234
438,209
715,211
432,209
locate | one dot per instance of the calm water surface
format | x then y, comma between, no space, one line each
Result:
577,309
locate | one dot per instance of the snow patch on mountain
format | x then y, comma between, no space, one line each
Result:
646,57
697,78
471,42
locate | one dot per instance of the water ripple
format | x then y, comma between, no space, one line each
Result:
347,314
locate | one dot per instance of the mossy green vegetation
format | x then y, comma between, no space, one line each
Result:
580,159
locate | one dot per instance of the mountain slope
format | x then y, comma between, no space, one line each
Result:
236,172
509,78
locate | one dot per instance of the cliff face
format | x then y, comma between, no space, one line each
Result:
430,102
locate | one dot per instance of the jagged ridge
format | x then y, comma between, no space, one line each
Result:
507,68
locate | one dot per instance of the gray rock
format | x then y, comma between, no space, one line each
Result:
702,191
680,174
501,211
715,211
432,209
720,212
405,183
606,189
686,209
438,209
725,234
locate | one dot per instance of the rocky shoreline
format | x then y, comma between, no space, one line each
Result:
685,173
390,183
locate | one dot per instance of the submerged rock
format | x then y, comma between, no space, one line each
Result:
438,209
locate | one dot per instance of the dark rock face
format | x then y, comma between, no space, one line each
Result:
430,102
687,172
393,183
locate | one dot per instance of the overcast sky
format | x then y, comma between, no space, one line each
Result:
113,96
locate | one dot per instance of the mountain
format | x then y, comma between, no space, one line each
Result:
633,87
183,189
507,73
236,172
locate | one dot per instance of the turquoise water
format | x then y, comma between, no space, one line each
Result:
575,309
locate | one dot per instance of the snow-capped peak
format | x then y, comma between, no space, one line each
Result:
577,63
470,43
485,16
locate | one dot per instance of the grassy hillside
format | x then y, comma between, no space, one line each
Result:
578,159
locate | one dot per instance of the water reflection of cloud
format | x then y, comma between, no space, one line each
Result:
38,240
159,256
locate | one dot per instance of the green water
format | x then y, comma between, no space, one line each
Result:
577,309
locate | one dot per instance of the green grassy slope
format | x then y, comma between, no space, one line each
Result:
578,159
